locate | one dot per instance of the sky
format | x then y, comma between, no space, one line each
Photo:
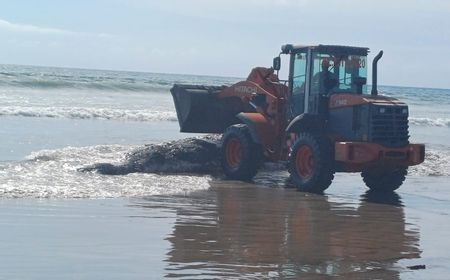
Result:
226,38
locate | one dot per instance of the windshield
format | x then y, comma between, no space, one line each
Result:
339,73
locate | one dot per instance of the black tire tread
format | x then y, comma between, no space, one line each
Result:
388,180
251,157
324,163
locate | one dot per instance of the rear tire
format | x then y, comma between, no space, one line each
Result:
311,163
384,180
241,157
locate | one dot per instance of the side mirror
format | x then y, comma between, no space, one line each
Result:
277,63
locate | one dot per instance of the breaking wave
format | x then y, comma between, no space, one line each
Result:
443,122
92,86
89,113
47,79
139,114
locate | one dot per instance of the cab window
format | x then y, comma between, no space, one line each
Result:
298,84
338,74
352,73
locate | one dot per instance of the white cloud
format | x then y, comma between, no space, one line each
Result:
27,28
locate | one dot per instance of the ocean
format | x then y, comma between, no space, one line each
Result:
58,223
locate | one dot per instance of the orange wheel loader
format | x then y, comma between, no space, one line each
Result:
320,120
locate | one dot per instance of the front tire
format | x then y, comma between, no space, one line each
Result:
311,163
241,157
384,180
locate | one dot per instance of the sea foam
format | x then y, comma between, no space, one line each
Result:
54,174
437,163
430,121
108,113
89,113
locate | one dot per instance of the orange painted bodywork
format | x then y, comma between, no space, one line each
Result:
269,133
260,81
357,156
269,121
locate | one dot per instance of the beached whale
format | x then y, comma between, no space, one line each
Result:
190,155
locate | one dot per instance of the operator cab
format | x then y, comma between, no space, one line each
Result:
317,72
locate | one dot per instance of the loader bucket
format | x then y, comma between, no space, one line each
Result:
199,110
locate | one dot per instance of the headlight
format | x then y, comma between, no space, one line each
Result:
405,111
382,110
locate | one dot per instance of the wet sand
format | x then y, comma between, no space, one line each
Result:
233,230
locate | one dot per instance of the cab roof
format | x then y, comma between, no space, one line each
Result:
334,49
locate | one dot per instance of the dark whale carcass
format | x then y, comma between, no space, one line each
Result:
190,155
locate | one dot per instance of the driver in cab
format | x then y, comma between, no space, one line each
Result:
325,80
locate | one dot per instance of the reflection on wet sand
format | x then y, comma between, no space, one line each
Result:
254,232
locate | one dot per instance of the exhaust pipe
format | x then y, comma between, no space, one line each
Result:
374,73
